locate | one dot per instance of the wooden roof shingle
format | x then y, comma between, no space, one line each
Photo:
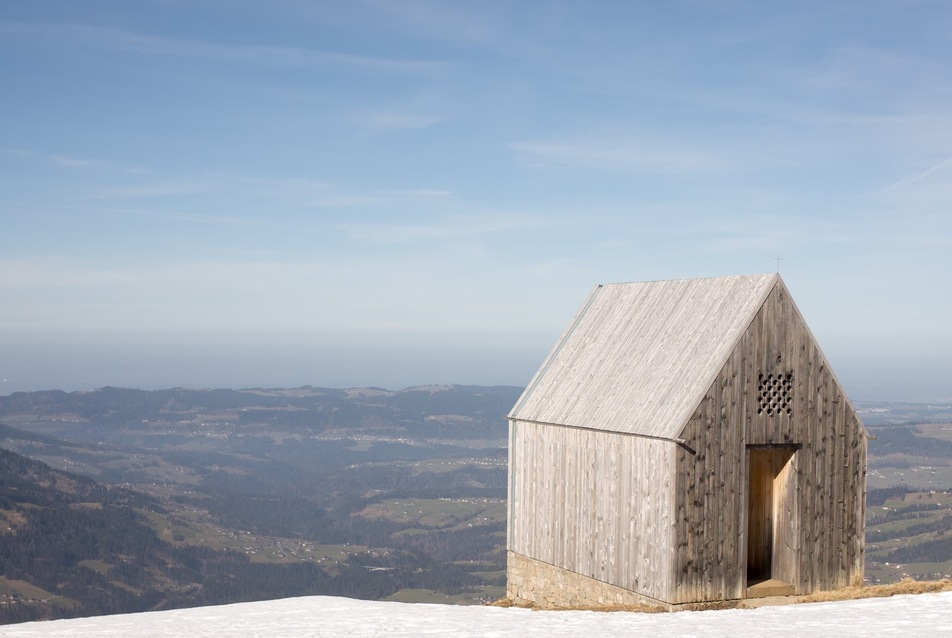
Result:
639,357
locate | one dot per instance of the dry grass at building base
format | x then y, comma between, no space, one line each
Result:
906,586
641,608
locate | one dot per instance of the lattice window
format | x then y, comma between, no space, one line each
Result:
775,394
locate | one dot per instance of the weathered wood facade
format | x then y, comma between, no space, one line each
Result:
685,440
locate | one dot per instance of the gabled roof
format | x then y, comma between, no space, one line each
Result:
639,357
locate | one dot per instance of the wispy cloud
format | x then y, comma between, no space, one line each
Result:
250,221
262,55
56,273
411,112
888,75
120,179
346,201
457,226
774,234
613,244
76,162
634,155
924,240
392,196
288,183
464,22
223,220
153,189
428,193
922,175
396,120
70,161
172,215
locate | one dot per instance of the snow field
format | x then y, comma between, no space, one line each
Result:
328,617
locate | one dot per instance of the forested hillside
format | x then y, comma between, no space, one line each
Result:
71,547
219,496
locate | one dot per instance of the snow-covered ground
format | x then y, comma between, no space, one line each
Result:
322,616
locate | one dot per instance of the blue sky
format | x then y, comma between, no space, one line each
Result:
235,193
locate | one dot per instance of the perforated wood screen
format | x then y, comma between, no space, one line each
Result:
775,394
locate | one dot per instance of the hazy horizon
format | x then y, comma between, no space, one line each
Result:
391,365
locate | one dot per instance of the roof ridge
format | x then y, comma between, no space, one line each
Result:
681,279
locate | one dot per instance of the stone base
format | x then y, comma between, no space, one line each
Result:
532,582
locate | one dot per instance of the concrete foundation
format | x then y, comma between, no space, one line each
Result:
532,582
